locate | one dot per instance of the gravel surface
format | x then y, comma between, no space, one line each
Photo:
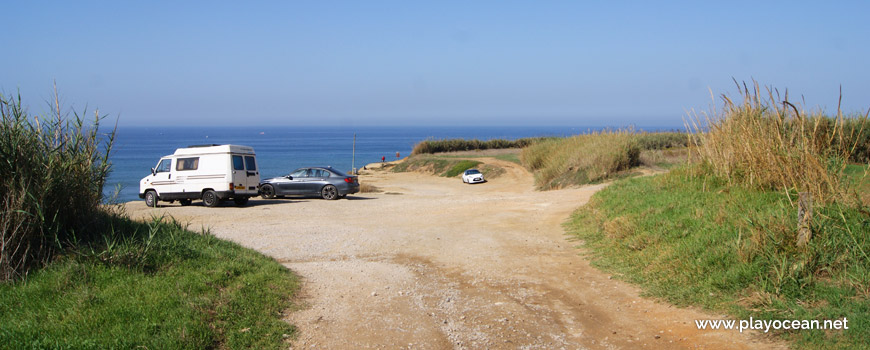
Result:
432,263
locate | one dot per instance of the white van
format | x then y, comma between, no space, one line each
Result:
212,173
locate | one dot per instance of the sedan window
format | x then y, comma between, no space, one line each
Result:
298,173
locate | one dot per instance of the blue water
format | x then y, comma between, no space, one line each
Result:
280,150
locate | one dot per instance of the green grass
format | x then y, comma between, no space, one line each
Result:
458,168
161,287
693,240
509,157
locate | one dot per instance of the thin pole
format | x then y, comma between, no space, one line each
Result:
353,156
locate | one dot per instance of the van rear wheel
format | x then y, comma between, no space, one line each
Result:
184,202
210,199
151,199
241,201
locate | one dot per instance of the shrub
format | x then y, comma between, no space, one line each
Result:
53,169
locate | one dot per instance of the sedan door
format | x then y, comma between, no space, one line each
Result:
294,186
316,180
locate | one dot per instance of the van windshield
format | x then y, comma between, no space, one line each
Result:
164,166
250,163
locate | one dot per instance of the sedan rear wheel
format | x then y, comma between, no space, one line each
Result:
267,191
329,192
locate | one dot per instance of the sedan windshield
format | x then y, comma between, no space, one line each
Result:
472,171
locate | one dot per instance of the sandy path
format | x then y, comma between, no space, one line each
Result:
433,263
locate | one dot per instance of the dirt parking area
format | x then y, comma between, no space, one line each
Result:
432,263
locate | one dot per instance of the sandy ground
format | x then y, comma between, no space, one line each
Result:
432,263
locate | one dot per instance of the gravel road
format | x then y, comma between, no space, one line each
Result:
432,263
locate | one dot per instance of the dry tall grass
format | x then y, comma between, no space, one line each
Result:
767,142
582,158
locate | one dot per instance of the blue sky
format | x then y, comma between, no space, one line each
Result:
359,63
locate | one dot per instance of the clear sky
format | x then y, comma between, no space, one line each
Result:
355,63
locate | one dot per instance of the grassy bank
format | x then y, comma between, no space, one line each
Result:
722,232
697,241
156,286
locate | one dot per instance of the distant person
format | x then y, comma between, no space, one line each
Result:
383,159
397,155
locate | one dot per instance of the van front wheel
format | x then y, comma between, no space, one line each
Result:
210,199
151,199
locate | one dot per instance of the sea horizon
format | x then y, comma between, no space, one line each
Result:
281,149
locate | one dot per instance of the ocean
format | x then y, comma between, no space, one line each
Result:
281,149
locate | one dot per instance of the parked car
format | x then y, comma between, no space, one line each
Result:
326,182
212,173
472,176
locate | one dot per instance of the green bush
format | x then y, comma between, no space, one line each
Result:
54,169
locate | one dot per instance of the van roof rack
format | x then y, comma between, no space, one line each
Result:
205,145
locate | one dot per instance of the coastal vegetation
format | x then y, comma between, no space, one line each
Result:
722,231
441,166
456,145
78,273
597,156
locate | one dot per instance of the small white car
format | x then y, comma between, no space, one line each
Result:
472,176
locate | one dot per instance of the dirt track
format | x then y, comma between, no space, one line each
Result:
433,263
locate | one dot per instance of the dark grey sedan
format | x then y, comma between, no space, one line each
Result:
326,182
